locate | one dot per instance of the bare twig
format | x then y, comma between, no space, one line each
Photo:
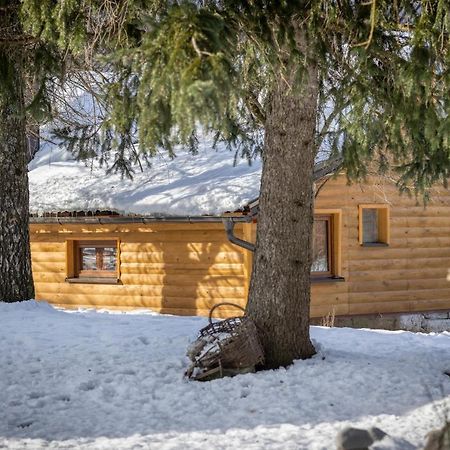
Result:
199,52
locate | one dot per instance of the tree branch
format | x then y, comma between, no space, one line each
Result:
373,11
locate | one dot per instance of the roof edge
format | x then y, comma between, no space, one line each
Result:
105,220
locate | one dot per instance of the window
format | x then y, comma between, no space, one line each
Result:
321,262
326,260
374,225
92,261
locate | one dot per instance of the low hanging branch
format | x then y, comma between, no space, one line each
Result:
366,43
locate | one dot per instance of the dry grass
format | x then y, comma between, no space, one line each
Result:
328,320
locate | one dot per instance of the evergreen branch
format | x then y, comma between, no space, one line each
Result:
328,122
321,185
255,107
366,43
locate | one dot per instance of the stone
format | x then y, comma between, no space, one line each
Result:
354,439
377,434
358,439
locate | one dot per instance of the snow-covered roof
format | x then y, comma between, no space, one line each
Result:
204,184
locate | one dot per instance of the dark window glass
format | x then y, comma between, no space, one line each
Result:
88,259
321,256
370,225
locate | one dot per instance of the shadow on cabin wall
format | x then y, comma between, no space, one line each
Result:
201,269
181,270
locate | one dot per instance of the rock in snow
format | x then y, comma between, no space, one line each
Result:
356,439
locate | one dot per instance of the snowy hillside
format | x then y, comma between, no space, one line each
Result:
92,380
207,183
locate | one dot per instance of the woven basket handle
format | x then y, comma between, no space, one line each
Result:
222,304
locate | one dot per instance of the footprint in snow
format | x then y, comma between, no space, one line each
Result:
25,424
143,339
127,372
88,386
245,392
35,395
15,403
108,393
20,422
40,404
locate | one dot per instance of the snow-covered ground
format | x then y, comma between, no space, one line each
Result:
99,380
205,183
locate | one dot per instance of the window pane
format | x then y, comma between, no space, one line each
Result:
370,225
320,246
88,259
109,259
98,258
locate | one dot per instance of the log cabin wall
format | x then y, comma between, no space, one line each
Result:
173,268
187,268
411,274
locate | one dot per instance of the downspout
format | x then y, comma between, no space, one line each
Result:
229,228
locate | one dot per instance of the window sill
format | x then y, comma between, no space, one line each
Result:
86,280
333,279
374,244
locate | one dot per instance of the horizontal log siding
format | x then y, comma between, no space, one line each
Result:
170,268
407,276
187,268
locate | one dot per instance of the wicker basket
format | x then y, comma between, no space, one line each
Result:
227,347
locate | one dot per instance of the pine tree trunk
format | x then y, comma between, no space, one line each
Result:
279,297
16,281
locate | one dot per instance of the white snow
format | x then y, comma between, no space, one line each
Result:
206,183
96,380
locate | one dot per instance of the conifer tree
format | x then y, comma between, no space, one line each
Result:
367,79
28,67
16,282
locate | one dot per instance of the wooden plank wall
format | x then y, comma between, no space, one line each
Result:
409,275
187,268
170,268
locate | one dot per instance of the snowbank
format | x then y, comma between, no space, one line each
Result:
92,380
207,183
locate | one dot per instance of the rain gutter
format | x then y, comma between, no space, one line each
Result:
228,223
106,220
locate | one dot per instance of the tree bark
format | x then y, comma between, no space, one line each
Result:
279,296
16,281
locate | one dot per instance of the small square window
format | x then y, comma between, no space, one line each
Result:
373,225
96,258
92,261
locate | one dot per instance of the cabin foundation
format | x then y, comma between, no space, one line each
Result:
435,322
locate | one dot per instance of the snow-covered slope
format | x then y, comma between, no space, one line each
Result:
92,380
207,183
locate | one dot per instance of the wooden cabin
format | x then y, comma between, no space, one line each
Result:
156,241
375,252
181,266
